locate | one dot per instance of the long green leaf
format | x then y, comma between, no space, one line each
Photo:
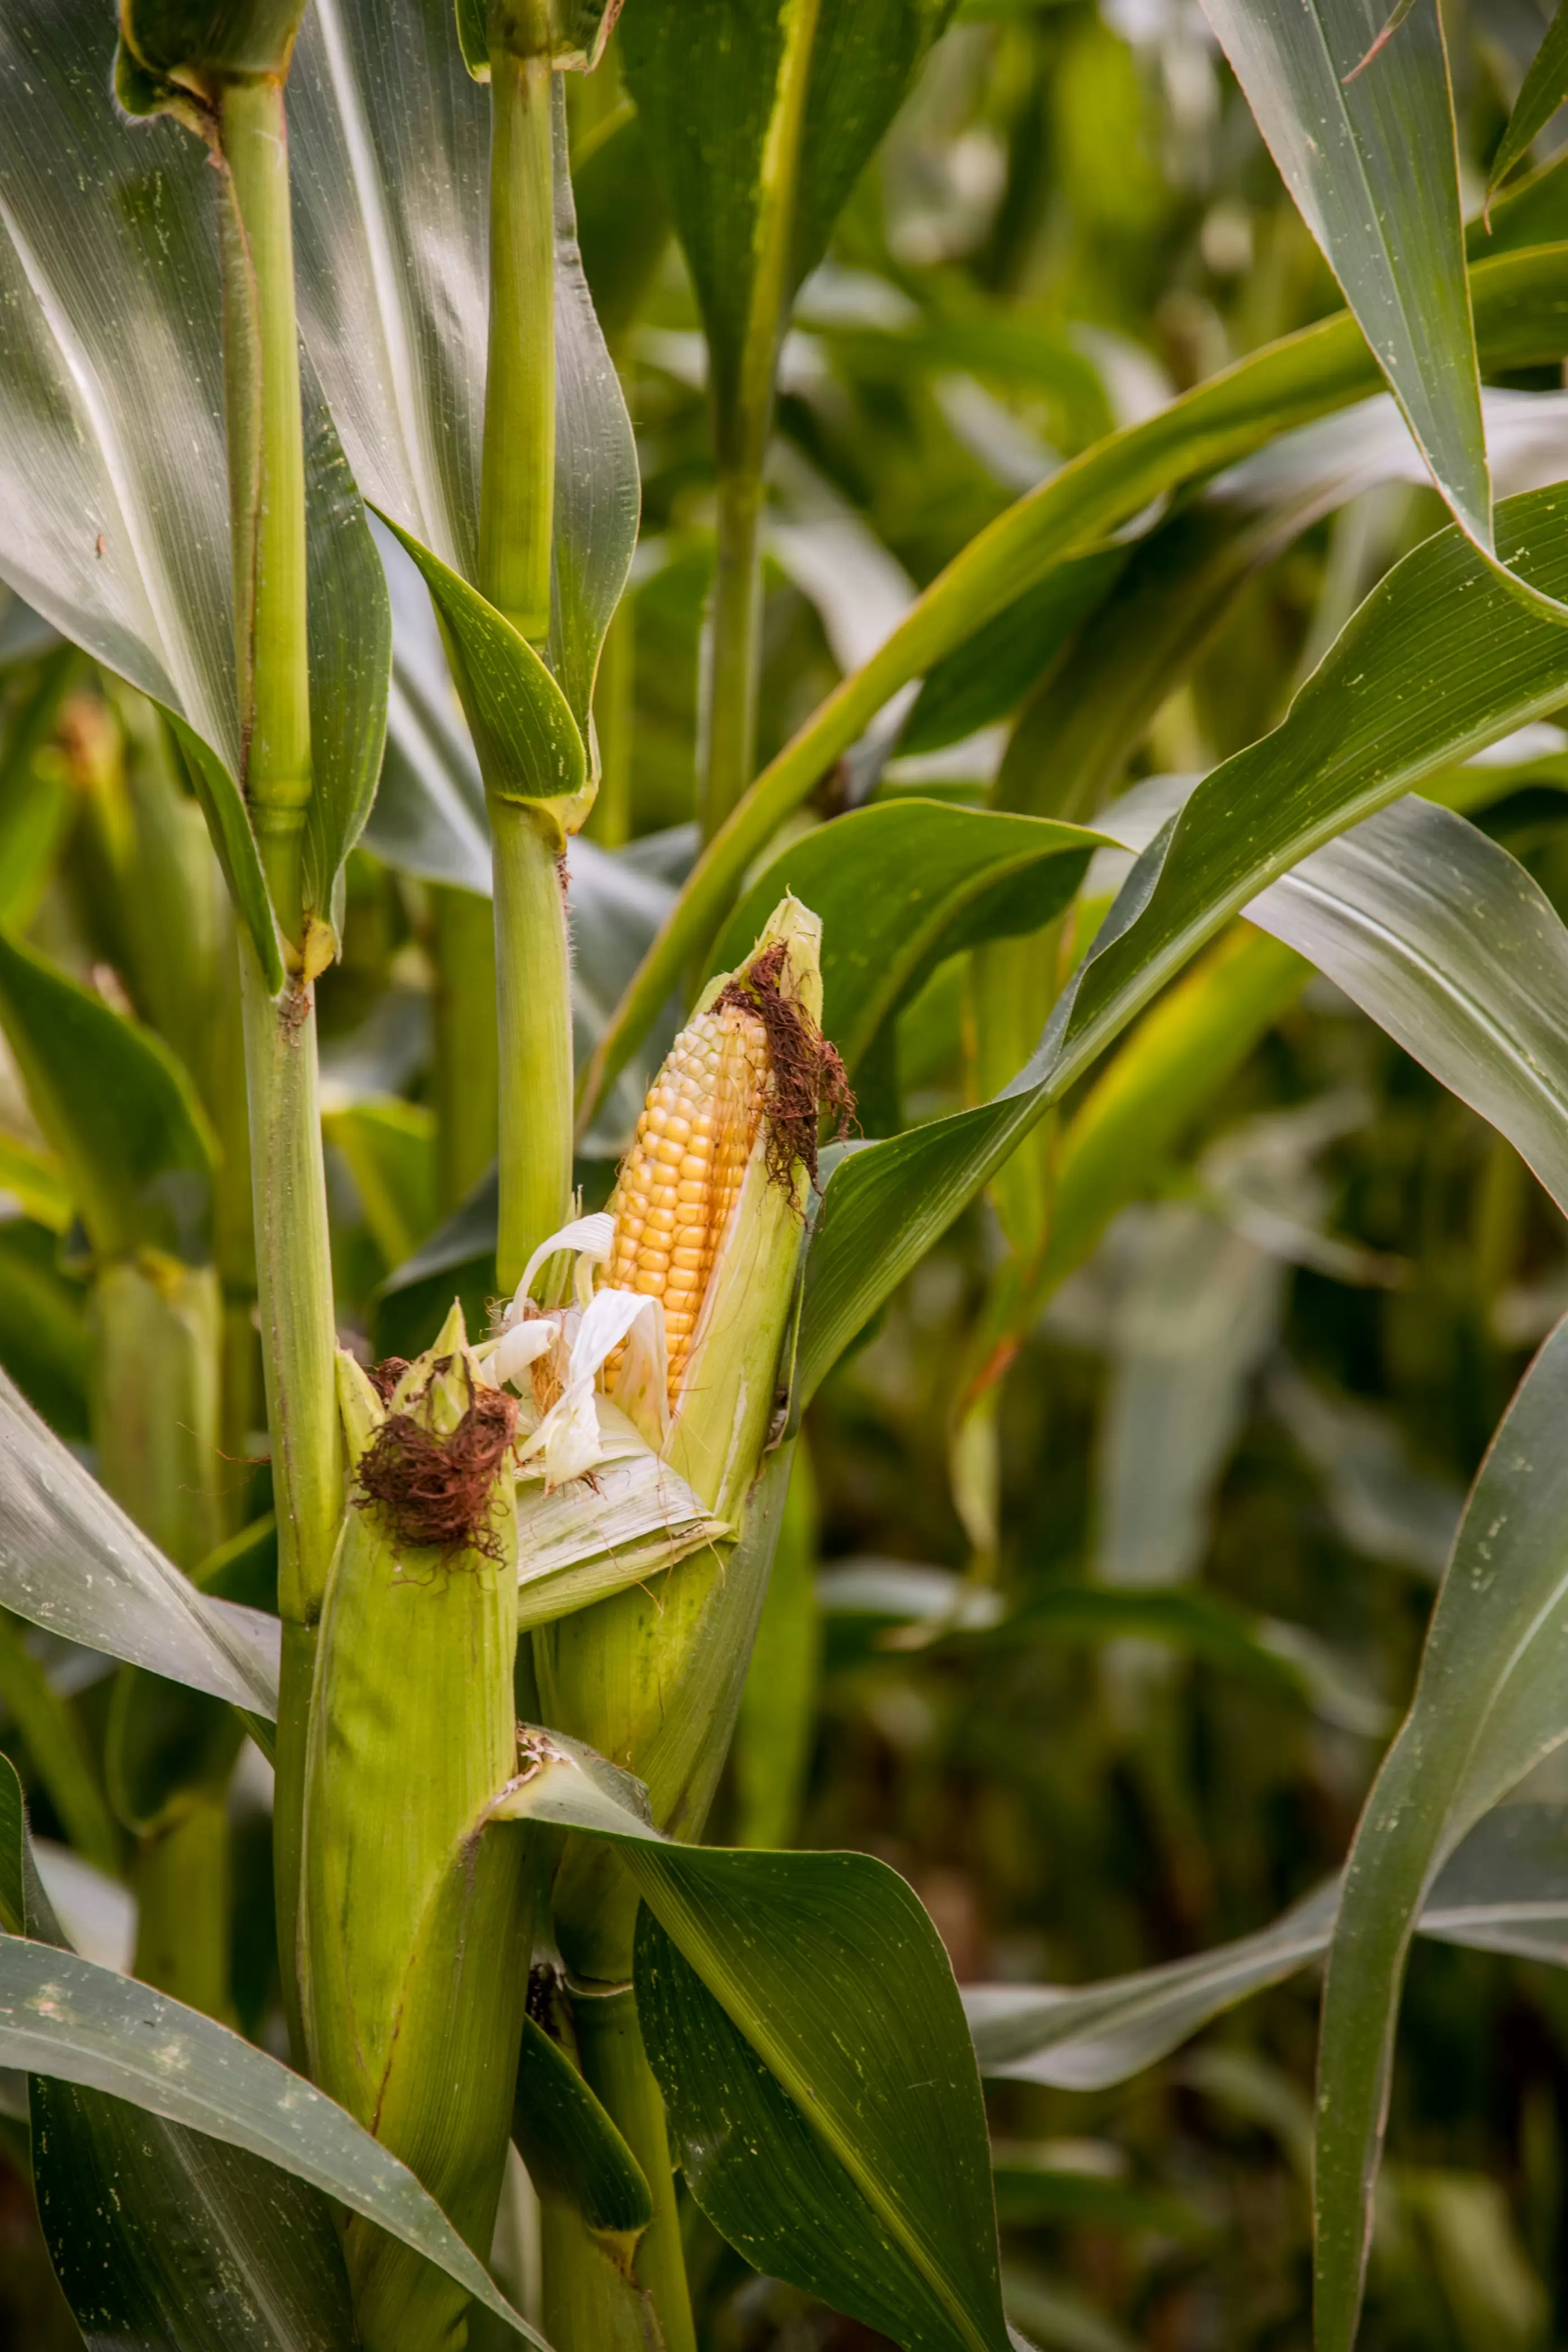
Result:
1449,945
900,886
76,2022
58,1748
1343,112
880,2120
123,1115
72,1562
1544,88
157,2233
112,453
1490,1701
1518,317
391,166
1442,659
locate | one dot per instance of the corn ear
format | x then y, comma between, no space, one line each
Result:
651,1678
414,1929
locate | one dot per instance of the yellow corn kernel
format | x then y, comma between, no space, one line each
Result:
682,1176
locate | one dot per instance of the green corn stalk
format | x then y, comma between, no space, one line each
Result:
221,69
414,1926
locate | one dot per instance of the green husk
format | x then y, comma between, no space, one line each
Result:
413,1935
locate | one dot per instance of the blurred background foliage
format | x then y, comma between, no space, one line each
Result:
1105,1671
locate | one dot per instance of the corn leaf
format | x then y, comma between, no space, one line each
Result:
391,171
116,1106
132,2211
1544,88
1489,1702
1325,367
901,885
1450,946
111,447
710,79
149,2225
1441,658
852,2162
1345,94
1503,1890
72,1562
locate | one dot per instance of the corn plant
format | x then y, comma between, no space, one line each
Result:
321,498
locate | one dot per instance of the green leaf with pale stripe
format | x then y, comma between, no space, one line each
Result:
1544,88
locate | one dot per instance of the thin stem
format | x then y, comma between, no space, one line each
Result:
518,488
266,490
534,1019
728,727
733,653
616,2067
182,1875
610,824
467,1068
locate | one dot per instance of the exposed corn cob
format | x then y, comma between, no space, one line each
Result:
681,1179
651,1678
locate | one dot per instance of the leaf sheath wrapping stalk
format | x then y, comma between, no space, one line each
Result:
413,1944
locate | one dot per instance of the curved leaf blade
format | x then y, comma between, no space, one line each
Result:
150,2227
1442,659
1343,110
1489,1703
72,1562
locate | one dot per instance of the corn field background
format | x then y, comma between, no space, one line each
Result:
913,1689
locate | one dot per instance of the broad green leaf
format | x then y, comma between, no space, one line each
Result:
32,1175
1489,1702
72,1562
159,2234
879,2123
1448,944
900,886
1343,111
111,445
572,2150
72,2021
123,1115
742,128
1323,368
1544,88
1441,658
765,2178
391,161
